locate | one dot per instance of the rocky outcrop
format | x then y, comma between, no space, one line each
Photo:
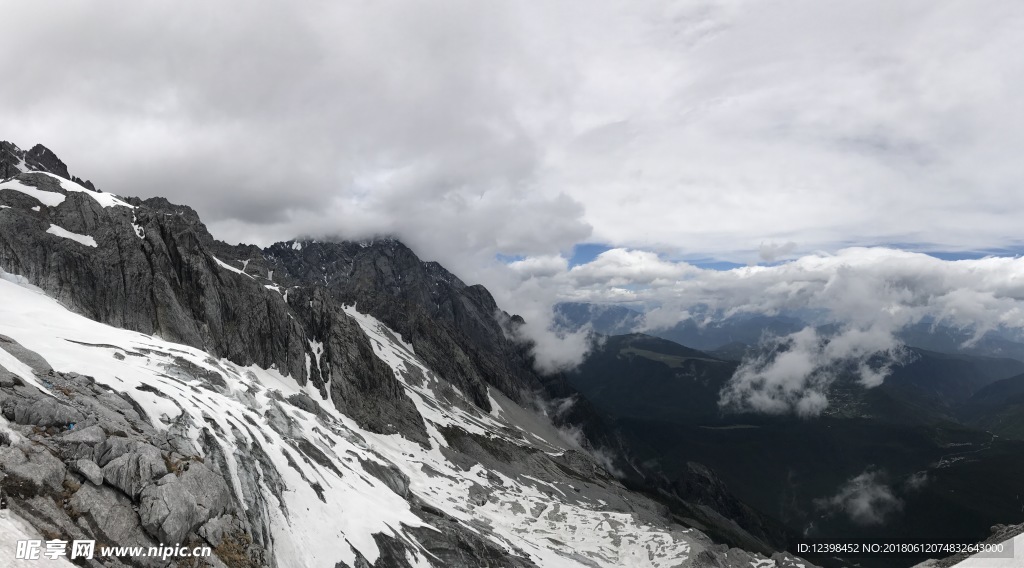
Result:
139,467
108,477
358,382
46,412
155,270
177,505
454,328
91,435
39,158
90,471
34,464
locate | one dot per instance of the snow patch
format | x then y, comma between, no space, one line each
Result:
66,234
12,529
104,199
318,350
47,198
227,266
139,230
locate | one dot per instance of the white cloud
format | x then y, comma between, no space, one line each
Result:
701,127
617,267
540,266
865,499
917,480
770,252
867,294
792,374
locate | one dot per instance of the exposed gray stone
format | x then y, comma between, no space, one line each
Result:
174,506
34,463
136,469
112,513
305,402
114,447
91,435
46,411
90,470
35,361
8,379
217,528
390,475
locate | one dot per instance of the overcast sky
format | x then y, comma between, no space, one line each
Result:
748,132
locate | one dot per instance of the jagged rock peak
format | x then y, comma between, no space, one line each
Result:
14,161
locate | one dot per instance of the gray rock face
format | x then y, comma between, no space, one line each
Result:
111,513
42,158
136,469
172,282
360,384
453,327
90,470
217,528
8,379
39,158
46,412
171,507
390,475
111,449
456,329
91,435
175,506
305,402
167,283
36,464
38,365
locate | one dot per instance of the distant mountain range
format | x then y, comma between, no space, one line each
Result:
925,439
731,336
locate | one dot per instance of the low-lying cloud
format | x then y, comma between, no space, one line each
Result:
865,499
792,374
865,296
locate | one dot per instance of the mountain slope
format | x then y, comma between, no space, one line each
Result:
313,404
998,408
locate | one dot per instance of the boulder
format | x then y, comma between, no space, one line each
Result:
389,475
113,513
217,528
133,471
175,506
45,412
92,435
305,402
90,470
34,463
111,449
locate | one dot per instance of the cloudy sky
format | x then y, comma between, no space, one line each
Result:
668,137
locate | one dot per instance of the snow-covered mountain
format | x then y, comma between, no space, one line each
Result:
308,405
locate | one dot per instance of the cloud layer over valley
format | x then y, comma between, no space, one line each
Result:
864,295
